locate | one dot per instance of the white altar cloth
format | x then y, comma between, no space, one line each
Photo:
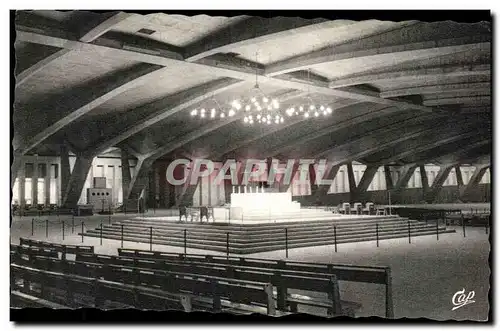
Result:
262,205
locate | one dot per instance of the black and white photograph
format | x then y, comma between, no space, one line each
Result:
251,165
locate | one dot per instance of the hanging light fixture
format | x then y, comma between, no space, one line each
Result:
213,112
260,107
310,109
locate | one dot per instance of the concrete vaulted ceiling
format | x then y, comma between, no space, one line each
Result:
401,92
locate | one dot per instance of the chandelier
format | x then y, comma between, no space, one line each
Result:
260,108
214,110
310,110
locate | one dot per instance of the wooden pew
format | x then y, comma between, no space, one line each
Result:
29,252
281,279
210,292
343,272
23,300
63,249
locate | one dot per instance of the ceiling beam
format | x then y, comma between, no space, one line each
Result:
381,45
87,37
166,108
365,118
436,89
478,99
444,72
368,145
253,30
236,73
426,147
457,154
121,84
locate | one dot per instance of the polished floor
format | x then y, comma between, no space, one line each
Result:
426,273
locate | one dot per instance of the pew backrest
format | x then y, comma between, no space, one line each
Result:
65,249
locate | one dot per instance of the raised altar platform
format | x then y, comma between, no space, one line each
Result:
262,205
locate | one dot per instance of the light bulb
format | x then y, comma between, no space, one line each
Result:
193,112
311,107
269,108
306,115
202,110
264,99
237,106
329,110
251,121
245,119
268,116
282,120
325,113
296,113
253,99
231,112
322,107
292,110
276,121
250,117
202,115
212,115
316,114
222,115
247,107
276,106
301,109
268,122
258,116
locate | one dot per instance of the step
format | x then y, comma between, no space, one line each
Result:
256,236
257,227
207,228
263,242
317,242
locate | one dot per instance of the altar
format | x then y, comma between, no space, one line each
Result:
260,205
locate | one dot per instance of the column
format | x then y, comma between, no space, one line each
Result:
65,172
161,169
34,184
22,184
47,184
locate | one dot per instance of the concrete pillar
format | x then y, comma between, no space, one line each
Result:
161,169
474,181
14,169
77,180
352,182
47,184
406,173
388,178
285,186
365,182
441,176
320,191
425,181
458,172
228,189
126,177
22,185
34,183
65,171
